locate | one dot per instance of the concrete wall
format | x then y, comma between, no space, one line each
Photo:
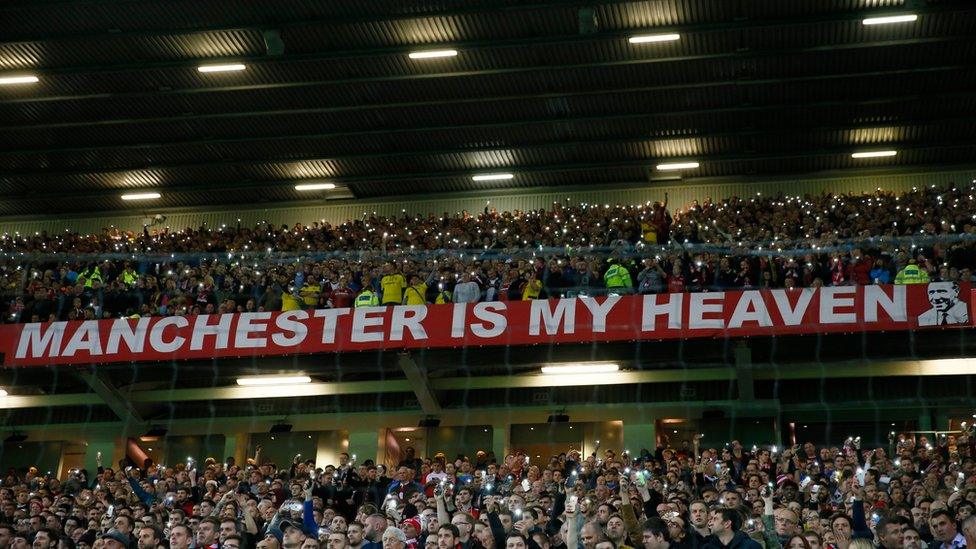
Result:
46,456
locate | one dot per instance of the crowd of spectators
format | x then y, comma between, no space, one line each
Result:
917,492
569,249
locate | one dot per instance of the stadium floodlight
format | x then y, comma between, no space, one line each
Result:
263,381
873,154
650,38
492,176
907,18
581,368
315,186
432,54
227,67
21,79
677,166
141,196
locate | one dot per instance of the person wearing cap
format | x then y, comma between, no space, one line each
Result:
293,535
411,529
113,539
272,539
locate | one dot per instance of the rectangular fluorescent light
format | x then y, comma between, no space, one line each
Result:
873,154
315,187
678,166
648,38
25,79
256,381
229,67
430,54
140,196
581,368
492,176
910,18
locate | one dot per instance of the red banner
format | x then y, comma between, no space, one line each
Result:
576,320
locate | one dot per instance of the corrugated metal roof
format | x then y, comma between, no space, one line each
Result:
764,87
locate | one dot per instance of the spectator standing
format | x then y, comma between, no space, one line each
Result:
912,274
724,526
617,278
467,291
393,283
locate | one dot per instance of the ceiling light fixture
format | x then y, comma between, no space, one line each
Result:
431,54
581,368
228,67
140,196
492,176
315,187
677,166
649,38
873,154
909,18
23,79
263,381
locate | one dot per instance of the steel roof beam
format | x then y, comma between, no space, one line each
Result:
737,55
930,99
497,43
284,24
100,382
420,384
502,99
524,170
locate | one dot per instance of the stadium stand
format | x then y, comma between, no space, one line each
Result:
916,237
748,324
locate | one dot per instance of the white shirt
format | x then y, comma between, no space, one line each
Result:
467,292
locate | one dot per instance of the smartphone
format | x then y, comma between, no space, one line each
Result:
571,503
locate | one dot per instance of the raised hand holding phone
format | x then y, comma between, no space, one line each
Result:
571,504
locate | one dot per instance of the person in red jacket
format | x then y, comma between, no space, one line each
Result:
342,295
859,268
676,281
